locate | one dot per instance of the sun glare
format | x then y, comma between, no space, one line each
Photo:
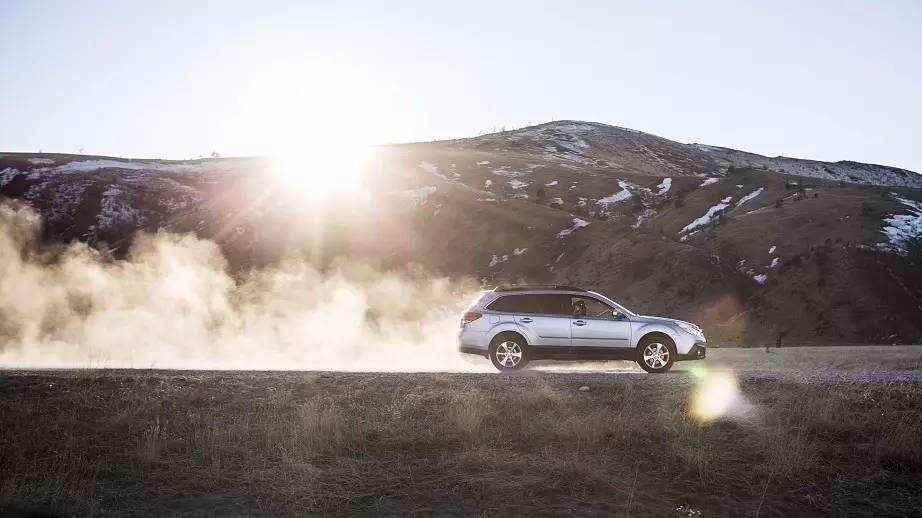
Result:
320,124
321,171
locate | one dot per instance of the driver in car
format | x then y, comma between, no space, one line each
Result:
579,309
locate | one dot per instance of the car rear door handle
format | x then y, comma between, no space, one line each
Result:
579,323
525,320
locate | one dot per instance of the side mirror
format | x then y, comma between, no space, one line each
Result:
617,315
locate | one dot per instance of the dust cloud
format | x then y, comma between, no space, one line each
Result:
172,303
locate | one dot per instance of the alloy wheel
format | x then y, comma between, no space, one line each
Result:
508,354
656,355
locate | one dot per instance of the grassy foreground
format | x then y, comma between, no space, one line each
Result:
134,443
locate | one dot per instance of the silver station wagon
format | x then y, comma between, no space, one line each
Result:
514,325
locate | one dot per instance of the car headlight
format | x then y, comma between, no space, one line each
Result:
691,329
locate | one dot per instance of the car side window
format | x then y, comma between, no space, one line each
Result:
555,305
538,304
545,304
590,308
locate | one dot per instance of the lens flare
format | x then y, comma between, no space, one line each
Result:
714,395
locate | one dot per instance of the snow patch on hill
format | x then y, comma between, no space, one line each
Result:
7,175
844,171
750,196
900,229
57,201
429,167
621,195
704,147
419,196
708,216
508,173
559,141
207,166
577,224
709,181
498,259
115,211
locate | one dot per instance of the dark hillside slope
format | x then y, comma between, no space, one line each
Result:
749,249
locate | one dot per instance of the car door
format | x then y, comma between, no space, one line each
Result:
547,317
593,325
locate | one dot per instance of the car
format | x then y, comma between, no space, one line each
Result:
514,325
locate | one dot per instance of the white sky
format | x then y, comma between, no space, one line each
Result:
826,80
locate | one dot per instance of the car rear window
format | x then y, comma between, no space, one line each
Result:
538,304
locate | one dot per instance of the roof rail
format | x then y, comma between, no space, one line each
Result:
538,287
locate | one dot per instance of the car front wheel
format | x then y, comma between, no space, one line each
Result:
656,354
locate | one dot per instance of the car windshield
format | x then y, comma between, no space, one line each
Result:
617,306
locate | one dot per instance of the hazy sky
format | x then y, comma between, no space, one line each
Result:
826,80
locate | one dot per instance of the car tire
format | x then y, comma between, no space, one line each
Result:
508,352
656,353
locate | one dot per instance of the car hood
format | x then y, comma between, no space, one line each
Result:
645,319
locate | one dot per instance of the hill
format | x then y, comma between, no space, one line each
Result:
749,246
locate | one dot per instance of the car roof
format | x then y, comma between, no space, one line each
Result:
539,288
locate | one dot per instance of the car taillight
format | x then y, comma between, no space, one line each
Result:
470,316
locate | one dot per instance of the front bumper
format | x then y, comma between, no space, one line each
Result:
697,352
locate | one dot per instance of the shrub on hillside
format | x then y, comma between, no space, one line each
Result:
914,250
793,262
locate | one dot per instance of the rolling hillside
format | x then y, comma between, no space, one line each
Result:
749,246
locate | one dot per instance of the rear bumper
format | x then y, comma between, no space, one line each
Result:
697,352
473,342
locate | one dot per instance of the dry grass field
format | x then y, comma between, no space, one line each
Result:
305,443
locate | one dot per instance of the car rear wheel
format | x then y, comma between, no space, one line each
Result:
508,353
656,354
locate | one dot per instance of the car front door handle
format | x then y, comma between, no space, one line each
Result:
525,320
579,323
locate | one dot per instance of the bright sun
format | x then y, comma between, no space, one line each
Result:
318,123
319,171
